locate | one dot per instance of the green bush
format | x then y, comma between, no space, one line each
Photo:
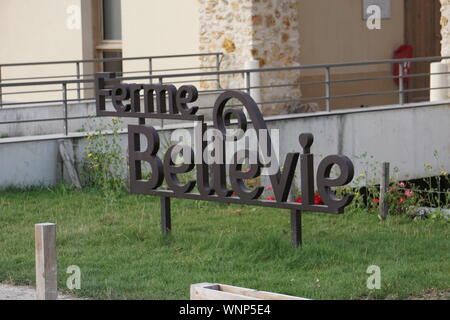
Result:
104,162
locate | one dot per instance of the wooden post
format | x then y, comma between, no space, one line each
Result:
67,156
384,185
296,228
46,270
217,291
166,224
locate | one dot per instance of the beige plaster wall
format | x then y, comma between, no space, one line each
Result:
34,31
335,32
160,27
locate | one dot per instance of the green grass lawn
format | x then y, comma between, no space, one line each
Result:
122,255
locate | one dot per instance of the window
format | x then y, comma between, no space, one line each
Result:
109,35
112,66
112,20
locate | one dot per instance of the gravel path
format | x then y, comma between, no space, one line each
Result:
8,292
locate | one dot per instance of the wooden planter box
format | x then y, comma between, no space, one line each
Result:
216,291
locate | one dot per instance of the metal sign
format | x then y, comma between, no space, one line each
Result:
165,101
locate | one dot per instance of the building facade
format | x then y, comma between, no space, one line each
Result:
276,33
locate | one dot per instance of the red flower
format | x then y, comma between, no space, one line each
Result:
299,200
270,198
401,200
269,188
409,193
376,200
317,199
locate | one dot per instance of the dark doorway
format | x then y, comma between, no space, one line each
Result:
423,32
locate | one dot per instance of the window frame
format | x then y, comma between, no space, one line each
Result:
101,45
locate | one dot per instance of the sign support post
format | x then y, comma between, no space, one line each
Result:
296,228
166,221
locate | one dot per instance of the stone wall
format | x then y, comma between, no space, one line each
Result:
445,27
263,30
445,32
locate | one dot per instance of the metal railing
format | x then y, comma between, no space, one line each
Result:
78,76
240,81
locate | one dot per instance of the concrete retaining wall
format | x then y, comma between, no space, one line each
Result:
406,136
74,110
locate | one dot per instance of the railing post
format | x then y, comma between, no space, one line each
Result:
384,185
247,82
78,83
401,84
328,89
66,124
150,68
1,96
160,80
218,69
246,75
254,80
